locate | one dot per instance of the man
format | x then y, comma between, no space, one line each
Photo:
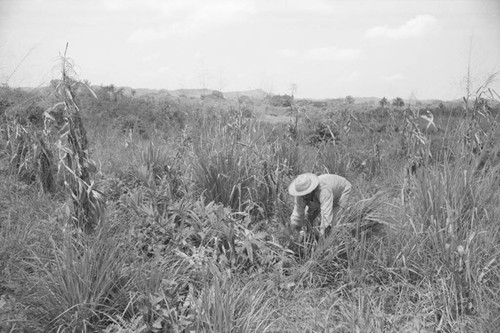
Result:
323,195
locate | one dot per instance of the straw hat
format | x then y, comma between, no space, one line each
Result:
303,184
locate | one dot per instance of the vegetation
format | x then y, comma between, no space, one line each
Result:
383,102
154,213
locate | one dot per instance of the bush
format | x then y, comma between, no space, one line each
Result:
279,100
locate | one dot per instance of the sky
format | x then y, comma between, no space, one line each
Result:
315,48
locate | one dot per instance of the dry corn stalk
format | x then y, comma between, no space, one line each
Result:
30,157
74,160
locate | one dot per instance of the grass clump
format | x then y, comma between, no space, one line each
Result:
82,283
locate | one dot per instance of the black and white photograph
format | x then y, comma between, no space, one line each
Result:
248,166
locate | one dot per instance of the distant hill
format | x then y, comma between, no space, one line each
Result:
193,93
196,93
257,94
189,93
368,100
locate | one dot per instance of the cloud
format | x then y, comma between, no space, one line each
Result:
288,53
415,27
156,6
315,7
350,77
146,35
331,53
163,69
393,77
150,57
219,12
187,17
346,54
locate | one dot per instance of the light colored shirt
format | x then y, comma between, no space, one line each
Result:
330,195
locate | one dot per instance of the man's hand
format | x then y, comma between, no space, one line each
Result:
302,235
294,226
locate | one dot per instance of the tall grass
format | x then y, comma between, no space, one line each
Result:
236,170
82,283
227,305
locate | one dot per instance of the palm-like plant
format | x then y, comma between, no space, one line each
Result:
383,102
398,102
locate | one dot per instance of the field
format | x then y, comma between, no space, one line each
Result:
126,212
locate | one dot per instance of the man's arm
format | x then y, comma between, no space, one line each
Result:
297,217
327,209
